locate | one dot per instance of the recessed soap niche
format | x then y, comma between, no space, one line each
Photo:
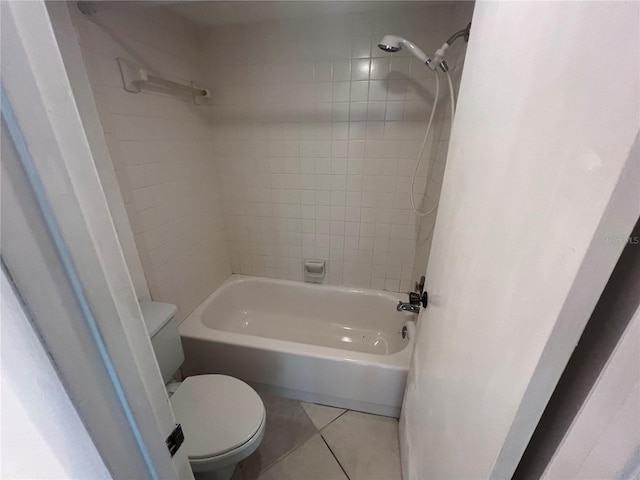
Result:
314,270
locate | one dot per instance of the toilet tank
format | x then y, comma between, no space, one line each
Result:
165,337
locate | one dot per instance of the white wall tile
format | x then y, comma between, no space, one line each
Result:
160,148
306,149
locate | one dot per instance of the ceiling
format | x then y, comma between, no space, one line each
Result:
212,13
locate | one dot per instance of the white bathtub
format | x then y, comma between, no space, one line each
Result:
318,343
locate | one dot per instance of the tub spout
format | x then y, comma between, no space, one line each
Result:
407,307
413,305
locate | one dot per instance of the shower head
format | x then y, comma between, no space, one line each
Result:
392,43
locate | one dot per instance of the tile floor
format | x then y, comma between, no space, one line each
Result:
305,441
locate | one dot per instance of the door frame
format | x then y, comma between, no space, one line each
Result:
620,215
57,228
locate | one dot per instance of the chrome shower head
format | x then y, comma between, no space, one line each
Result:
389,48
393,43
390,43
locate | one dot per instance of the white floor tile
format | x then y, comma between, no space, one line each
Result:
365,445
321,415
310,461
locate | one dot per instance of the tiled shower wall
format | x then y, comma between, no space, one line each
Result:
316,133
160,145
306,149
461,15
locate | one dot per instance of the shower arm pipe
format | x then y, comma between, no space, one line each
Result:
438,58
462,33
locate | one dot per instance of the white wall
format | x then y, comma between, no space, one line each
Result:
83,94
160,148
38,417
604,437
541,136
316,134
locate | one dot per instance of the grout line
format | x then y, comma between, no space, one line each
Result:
336,458
320,429
319,404
319,432
286,454
308,416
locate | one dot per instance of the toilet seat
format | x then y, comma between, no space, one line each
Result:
220,416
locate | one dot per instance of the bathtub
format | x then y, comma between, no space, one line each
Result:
317,343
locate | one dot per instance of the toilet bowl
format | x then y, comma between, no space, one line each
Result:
223,419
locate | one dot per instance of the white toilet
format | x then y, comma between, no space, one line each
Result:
223,418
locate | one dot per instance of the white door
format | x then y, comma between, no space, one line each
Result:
542,186
60,247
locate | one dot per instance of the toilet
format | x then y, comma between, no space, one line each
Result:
223,418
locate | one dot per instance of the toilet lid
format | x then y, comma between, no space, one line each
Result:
217,413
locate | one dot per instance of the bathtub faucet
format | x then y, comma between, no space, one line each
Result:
407,307
413,306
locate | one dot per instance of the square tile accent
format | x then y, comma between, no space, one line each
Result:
365,445
312,461
321,415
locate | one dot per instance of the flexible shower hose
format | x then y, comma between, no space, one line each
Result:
424,143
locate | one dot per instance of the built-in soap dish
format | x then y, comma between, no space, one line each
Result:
314,270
